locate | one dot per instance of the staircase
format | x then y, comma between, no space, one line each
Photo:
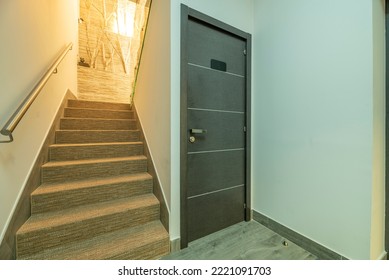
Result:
95,200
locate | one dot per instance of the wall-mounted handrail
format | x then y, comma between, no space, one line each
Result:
14,120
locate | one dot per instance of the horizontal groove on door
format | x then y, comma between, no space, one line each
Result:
215,90
216,151
220,190
217,111
209,68
213,171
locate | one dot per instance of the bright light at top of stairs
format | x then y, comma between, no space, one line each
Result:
125,18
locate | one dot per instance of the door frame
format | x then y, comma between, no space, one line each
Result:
187,13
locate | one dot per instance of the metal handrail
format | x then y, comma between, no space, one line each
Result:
14,120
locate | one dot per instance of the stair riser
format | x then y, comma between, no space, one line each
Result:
91,152
98,105
45,238
73,137
151,251
65,173
97,124
98,114
72,198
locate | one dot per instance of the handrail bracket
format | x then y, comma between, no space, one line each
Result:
9,134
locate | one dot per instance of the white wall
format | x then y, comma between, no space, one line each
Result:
315,108
32,34
237,13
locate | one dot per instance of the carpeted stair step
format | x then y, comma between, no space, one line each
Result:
48,230
98,105
64,171
96,124
54,197
95,200
62,152
148,241
96,136
98,114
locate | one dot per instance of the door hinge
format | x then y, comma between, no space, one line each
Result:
245,52
245,129
244,206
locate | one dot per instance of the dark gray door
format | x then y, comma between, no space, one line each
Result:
215,129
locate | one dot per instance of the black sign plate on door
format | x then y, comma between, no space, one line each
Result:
218,65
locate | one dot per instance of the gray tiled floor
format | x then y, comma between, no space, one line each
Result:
243,241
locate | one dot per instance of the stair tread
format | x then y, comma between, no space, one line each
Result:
74,112
98,130
38,222
95,123
89,161
96,144
98,120
77,103
47,188
95,109
65,136
109,245
97,101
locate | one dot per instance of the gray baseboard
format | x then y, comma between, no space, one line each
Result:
314,248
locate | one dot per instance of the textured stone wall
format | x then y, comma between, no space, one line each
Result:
110,39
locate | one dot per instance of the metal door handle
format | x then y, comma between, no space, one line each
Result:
198,131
